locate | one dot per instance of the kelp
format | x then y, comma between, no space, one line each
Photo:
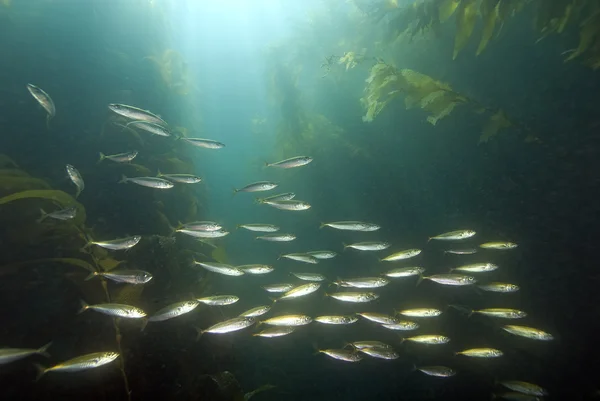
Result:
67,261
496,122
58,197
173,70
589,41
15,183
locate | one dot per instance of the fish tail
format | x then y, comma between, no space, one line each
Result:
348,344
322,225
420,280
266,164
84,306
90,276
461,308
102,157
279,257
414,367
452,269
41,371
43,216
43,351
123,179
345,246
274,299
200,332
48,118
429,239
235,191
144,324
77,192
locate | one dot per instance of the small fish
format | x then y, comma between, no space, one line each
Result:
363,282
437,371
257,187
368,344
403,325
351,226
405,272
150,182
76,178
356,297
428,339
515,396
369,246
322,254
288,320
202,233
279,197
204,143
402,255
476,268
524,387
499,287
84,362
342,354
276,331
464,251
135,114
293,205
257,311
263,228
309,276
219,300
336,319
62,214
300,291
256,269
300,257
381,353
180,178
481,353
174,310
202,226
277,237
277,288
228,326
118,244
221,268
420,312
152,128
528,332
292,162
451,279
44,100
503,313
123,276
119,157
498,245
8,355
454,235
379,318
115,310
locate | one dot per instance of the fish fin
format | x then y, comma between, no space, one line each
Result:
348,344
420,280
43,351
274,299
77,193
279,257
235,191
123,179
322,225
102,157
144,324
41,371
266,164
452,269
345,246
48,118
90,276
84,306
159,174
200,332
42,217
429,239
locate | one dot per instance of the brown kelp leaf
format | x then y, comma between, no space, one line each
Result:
60,197
128,294
465,22
494,124
447,8
108,264
488,12
69,261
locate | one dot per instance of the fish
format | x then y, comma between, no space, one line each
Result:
379,318
152,128
204,143
292,162
288,320
402,255
524,387
293,205
363,282
180,178
202,233
277,288
202,226
300,291
309,276
528,332
368,344
76,179
263,228
499,287
123,276
279,197
454,235
451,279
256,269
228,326
115,310
403,325
504,313
481,353
84,362
256,311
300,257
135,114
150,182
405,272
276,331
257,187
336,319
67,213
356,297
437,371
369,246
8,355
221,268
342,354
381,353
219,300
476,268
119,157
118,244
322,254
44,100
277,237
463,251
174,310
351,226
428,339
498,245
420,312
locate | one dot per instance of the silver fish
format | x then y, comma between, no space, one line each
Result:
150,182
124,276
204,143
352,226
150,127
528,332
76,178
288,320
118,244
405,272
116,310
256,269
504,313
369,246
309,276
381,353
420,312
293,205
136,114
174,310
481,353
356,297
44,100
219,300
379,318
277,288
292,162
300,291
181,178
454,235
452,279
498,245
524,387
202,226
499,287
322,254
257,311
403,325
335,319
119,157
428,339
221,268
363,282
463,251
84,362
476,268
277,237
438,371
279,197
368,344
342,354
202,233
257,187
62,214
402,255
8,355
300,257
276,331
263,228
